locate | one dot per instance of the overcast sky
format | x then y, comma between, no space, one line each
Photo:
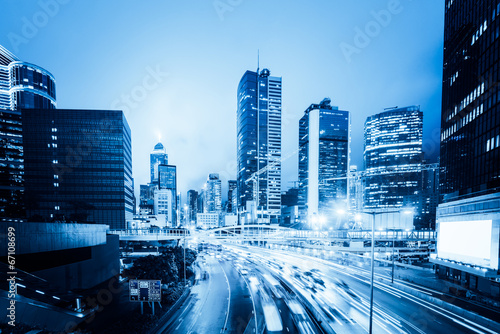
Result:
174,67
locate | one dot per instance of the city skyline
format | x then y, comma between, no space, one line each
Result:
204,69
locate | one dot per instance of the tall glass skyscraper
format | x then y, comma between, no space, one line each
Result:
213,194
259,144
393,158
469,213
78,166
22,86
158,157
324,137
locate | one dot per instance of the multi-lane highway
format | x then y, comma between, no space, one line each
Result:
254,290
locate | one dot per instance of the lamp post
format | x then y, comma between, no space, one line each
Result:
392,276
372,214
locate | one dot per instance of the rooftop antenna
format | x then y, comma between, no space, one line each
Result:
258,60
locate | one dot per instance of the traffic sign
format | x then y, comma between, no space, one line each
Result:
145,290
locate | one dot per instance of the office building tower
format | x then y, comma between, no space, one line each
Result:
468,217
355,189
167,177
213,194
146,199
231,187
158,157
164,207
323,160
192,202
430,196
78,166
393,159
259,145
22,86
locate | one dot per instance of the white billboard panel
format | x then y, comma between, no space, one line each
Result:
471,242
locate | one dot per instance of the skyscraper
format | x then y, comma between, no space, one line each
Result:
231,187
192,202
157,157
324,139
469,213
393,158
78,166
259,144
213,194
22,86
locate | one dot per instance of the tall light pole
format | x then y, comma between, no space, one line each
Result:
372,214
372,271
392,276
185,256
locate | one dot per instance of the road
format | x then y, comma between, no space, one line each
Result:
219,302
343,297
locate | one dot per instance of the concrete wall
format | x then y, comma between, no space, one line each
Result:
104,264
46,237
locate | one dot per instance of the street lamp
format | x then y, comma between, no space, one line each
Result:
372,214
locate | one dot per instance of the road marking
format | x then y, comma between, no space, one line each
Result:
228,299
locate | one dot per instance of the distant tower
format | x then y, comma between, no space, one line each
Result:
213,194
259,144
158,157
323,159
232,185
393,158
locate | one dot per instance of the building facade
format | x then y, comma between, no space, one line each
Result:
324,137
259,144
393,159
22,86
469,212
213,194
157,157
231,188
192,202
78,166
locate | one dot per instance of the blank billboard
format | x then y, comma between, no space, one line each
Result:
471,242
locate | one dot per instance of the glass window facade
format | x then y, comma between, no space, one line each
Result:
213,194
158,157
393,159
470,118
78,166
167,177
259,143
324,136
22,86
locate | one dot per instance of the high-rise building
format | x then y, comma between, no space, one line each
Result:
78,166
430,196
167,177
355,189
323,160
393,159
146,199
157,157
213,194
231,187
22,86
259,144
468,218
192,202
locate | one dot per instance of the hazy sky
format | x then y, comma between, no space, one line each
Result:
174,67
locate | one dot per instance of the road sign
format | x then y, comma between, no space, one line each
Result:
145,290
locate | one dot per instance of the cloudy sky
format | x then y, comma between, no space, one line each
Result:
174,67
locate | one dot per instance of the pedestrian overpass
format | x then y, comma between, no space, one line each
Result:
419,243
